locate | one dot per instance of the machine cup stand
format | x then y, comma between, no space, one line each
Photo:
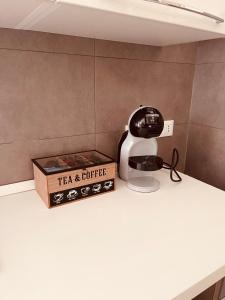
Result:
140,177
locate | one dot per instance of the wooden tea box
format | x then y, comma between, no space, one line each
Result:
70,177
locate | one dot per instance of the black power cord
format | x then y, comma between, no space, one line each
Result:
172,166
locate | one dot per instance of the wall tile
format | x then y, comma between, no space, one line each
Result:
122,85
208,103
211,51
206,155
45,95
15,158
184,53
47,42
108,143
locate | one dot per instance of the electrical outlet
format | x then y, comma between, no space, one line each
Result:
168,128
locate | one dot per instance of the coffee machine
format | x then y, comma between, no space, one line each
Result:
138,148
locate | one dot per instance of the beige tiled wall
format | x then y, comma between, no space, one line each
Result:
61,94
206,145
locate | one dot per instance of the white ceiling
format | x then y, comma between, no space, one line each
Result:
13,11
134,21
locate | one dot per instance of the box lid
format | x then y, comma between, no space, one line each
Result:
68,162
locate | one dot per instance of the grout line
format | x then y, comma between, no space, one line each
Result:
116,131
45,139
6,143
75,135
186,147
98,56
210,63
205,125
196,53
145,60
95,96
62,137
189,115
47,52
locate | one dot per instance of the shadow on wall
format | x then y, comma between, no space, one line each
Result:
206,145
206,155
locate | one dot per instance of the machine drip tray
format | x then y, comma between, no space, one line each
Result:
144,184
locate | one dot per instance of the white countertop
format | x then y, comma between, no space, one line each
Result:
117,246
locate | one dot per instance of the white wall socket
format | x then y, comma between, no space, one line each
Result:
168,128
